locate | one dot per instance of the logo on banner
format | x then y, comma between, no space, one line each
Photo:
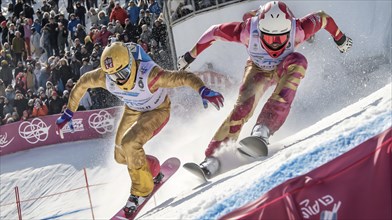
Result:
319,206
77,124
34,131
3,140
102,122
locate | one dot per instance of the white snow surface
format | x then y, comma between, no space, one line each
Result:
358,89
59,168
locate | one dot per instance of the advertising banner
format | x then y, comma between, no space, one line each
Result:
41,131
355,185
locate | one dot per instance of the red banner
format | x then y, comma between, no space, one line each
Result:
41,131
355,185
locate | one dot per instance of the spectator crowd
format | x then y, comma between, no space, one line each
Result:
44,50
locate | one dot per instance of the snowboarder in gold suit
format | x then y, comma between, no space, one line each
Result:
129,73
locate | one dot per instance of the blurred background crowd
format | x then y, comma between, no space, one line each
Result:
45,50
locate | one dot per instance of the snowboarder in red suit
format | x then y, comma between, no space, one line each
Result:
270,38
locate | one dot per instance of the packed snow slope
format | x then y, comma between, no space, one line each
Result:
55,169
333,82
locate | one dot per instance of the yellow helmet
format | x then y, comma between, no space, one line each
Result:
119,65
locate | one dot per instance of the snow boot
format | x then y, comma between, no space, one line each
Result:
262,132
256,144
210,166
133,203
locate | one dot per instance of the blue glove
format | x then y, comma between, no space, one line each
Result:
210,96
65,118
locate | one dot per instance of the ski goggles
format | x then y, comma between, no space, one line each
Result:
275,39
122,74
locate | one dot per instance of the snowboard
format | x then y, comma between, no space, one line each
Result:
168,168
195,169
254,147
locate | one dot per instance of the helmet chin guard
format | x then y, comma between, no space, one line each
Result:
275,25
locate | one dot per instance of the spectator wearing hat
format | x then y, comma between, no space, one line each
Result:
40,108
145,35
20,102
25,116
18,46
72,24
118,29
44,43
131,30
81,11
98,49
118,13
44,98
53,34
103,19
45,19
37,26
146,19
159,34
133,12
55,103
103,36
29,94
93,16
6,73
4,30
19,68
80,33
110,27
86,67
27,35
45,6
15,117
28,11
21,82
62,37
65,96
65,71
49,88
7,107
18,8
11,33
39,15
5,54
30,106
36,50
154,9
8,119
62,19
69,85
30,78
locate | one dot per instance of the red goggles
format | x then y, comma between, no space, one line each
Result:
275,39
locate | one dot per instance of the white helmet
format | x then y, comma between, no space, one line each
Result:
275,25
